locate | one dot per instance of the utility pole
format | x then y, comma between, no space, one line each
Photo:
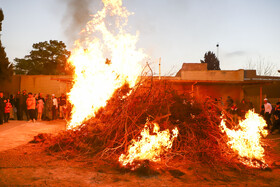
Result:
159,71
217,50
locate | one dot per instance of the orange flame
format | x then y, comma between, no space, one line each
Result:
246,140
96,78
149,147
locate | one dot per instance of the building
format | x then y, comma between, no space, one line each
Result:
46,84
239,84
193,78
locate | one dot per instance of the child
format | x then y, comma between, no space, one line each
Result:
31,105
40,107
7,111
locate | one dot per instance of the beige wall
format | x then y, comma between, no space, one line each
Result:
220,90
46,84
194,67
11,86
213,75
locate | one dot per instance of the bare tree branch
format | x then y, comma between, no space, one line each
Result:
262,66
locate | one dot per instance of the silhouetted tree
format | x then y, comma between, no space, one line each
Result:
212,61
6,68
46,58
1,18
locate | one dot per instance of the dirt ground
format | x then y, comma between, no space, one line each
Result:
29,164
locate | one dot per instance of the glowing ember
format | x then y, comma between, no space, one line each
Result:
103,62
246,140
149,147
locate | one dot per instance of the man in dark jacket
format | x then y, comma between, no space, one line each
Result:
276,113
229,103
22,105
2,107
62,106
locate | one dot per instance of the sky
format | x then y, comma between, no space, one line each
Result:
177,31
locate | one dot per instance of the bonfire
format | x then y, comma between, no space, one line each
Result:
121,114
149,147
246,139
194,131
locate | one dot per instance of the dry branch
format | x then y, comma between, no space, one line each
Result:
108,134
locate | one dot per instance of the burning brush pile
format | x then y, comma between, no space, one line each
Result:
116,117
155,124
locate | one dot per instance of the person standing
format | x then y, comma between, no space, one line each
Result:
8,108
17,104
40,107
40,96
234,111
229,103
22,103
62,106
54,107
267,113
36,109
2,107
12,111
48,108
276,124
31,105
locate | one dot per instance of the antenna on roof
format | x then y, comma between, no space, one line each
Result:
217,50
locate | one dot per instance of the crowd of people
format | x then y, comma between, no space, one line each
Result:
33,107
270,114
238,110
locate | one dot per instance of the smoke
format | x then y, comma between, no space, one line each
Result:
76,16
237,53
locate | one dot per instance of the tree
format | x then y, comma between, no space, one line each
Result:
6,68
262,66
212,61
1,18
46,58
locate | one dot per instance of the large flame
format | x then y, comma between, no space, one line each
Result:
105,60
246,140
149,147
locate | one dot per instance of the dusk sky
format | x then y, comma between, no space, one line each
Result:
176,30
